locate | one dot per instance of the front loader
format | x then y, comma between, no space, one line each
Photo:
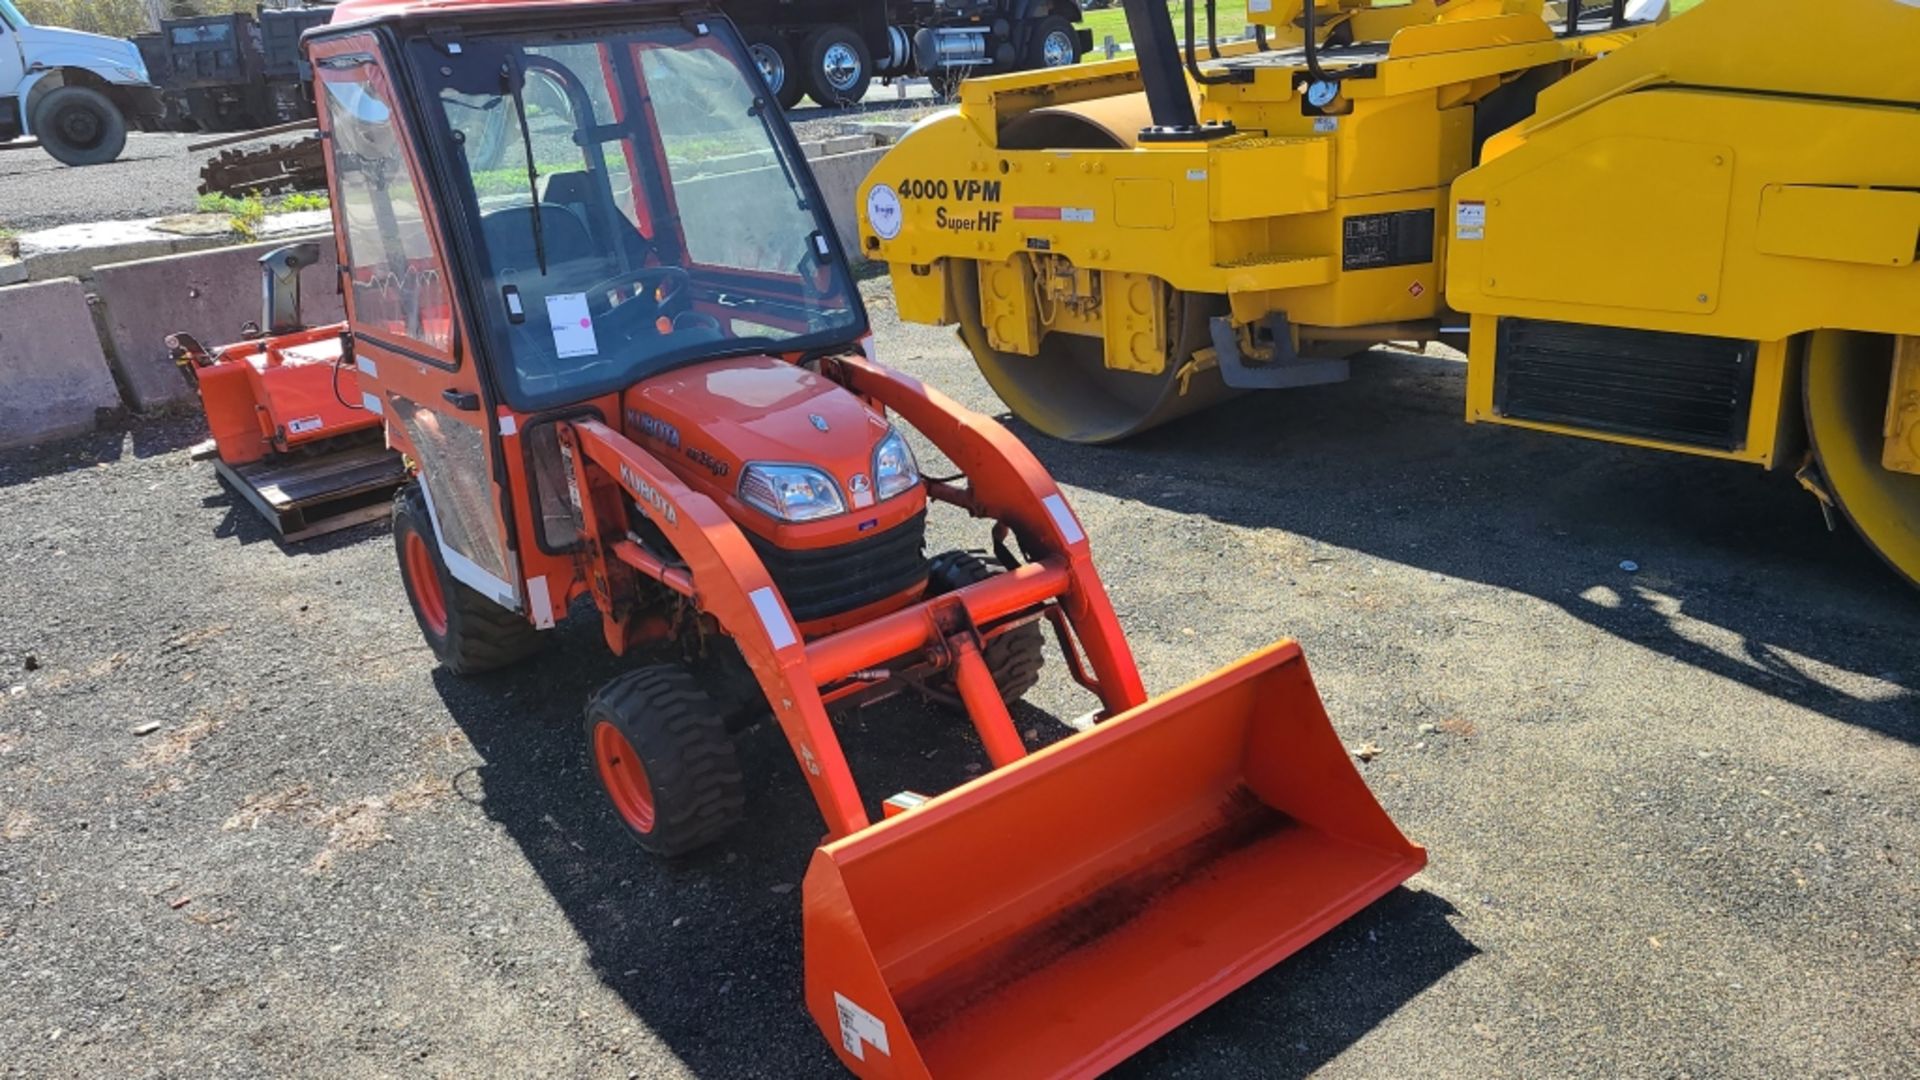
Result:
625,363
1693,232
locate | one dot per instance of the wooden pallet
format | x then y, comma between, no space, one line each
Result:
309,495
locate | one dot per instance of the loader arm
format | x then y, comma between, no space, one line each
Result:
727,577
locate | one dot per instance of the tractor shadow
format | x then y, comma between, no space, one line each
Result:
1386,465
119,438
706,952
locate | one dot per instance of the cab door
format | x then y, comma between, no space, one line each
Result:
414,365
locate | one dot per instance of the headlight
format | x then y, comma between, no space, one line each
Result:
894,469
791,492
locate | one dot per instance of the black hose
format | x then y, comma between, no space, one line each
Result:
1193,62
1311,29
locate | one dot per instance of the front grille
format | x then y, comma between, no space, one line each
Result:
818,583
1681,388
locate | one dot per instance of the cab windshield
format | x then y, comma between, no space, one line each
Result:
631,206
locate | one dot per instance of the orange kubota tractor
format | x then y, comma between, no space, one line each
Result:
624,358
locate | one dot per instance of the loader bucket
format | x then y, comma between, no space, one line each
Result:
1056,915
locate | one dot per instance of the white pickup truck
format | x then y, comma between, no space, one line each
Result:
75,92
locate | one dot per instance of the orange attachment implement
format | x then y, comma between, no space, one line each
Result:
1056,915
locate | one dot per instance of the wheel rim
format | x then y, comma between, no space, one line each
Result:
624,777
424,579
772,68
841,66
78,126
1057,49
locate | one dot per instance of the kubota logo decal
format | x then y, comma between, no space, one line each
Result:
646,493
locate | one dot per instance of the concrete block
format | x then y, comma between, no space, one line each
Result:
840,176
53,374
208,294
845,144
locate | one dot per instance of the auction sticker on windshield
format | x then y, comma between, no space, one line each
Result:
883,211
572,325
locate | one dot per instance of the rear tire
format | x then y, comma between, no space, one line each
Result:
774,57
838,67
467,632
80,126
1015,657
1053,44
661,753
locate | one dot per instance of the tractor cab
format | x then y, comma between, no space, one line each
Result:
555,211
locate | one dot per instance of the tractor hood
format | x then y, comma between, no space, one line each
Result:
116,60
709,421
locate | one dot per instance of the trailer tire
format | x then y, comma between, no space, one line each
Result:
838,66
1053,44
467,632
1015,657
662,755
79,125
774,57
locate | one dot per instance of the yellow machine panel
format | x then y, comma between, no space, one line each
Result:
1697,233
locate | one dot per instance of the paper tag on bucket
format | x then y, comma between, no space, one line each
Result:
858,1027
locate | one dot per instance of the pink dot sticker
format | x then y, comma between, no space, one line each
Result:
586,323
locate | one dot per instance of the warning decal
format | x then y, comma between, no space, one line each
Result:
859,1028
1051,213
1470,220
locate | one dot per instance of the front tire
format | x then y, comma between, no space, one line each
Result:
80,126
838,66
1015,657
662,755
467,632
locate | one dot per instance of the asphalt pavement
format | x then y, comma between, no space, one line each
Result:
1673,813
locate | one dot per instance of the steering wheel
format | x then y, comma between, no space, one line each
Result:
649,292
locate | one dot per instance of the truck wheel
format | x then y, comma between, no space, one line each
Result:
1014,657
838,66
1053,44
80,126
661,752
466,631
774,57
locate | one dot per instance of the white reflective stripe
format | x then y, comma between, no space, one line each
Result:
773,617
540,605
366,366
508,425
465,570
370,401
1069,525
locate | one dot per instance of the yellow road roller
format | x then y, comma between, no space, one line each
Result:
1692,232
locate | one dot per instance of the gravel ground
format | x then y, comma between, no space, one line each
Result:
1672,814
157,176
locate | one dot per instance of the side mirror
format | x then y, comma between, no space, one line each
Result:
280,286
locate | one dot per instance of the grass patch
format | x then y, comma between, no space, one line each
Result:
247,213
299,201
1231,22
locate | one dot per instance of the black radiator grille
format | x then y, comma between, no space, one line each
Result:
823,582
1680,388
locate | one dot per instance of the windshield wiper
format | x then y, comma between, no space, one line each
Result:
511,80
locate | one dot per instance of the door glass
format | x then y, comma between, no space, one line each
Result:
399,291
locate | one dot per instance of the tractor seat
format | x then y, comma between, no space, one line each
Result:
574,261
577,192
